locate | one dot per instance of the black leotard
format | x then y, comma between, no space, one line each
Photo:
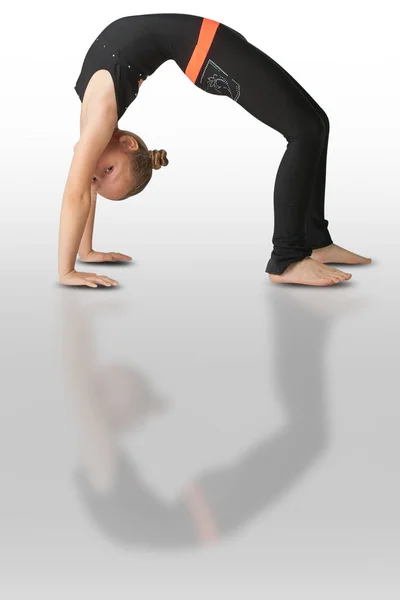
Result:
132,48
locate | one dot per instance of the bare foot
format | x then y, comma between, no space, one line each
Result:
336,254
310,272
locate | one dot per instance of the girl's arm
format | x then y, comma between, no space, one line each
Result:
76,202
85,251
86,245
199,507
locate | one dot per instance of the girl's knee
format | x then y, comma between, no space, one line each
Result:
315,127
310,125
324,117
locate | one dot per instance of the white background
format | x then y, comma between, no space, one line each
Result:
344,53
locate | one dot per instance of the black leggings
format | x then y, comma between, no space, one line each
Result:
235,68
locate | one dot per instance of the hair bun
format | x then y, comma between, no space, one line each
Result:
158,158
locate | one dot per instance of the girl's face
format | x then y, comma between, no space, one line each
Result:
112,178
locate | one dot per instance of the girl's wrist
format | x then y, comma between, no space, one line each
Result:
85,253
64,272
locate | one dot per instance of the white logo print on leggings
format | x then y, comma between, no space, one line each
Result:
215,81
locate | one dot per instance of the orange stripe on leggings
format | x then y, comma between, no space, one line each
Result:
207,32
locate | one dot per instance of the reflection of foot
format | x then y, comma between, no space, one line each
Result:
310,272
336,254
345,303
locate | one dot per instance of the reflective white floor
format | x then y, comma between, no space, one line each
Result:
200,432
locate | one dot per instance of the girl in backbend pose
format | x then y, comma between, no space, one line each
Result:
117,164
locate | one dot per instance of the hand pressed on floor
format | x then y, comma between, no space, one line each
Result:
94,256
83,278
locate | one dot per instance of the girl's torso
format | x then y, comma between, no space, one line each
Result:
133,47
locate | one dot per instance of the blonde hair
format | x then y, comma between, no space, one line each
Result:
142,164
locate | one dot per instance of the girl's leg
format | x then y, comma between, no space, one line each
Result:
235,68
317,234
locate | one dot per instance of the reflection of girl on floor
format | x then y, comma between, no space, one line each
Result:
113,400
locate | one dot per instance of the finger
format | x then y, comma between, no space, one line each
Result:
106,257
113,281
120,256
125,257
104,282
107,280
98,279
95,277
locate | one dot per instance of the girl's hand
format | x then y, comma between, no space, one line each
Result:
89,279
94,256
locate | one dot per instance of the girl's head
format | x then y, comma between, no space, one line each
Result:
126,166
124,396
